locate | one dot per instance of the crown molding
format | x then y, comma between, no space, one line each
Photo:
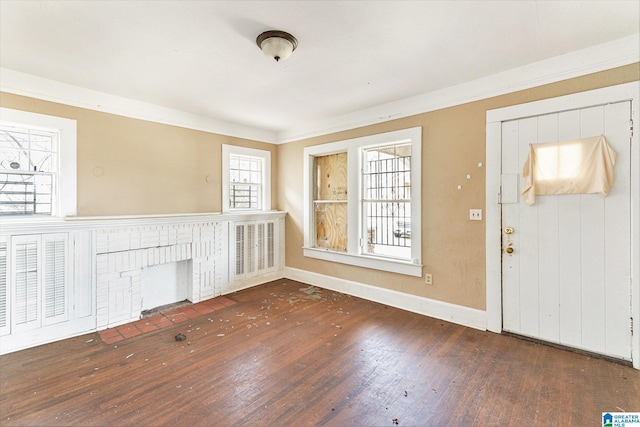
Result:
19,83
597,58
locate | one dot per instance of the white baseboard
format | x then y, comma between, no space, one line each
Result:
453,313
238,285
47,334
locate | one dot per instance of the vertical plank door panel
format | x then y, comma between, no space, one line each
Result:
618,234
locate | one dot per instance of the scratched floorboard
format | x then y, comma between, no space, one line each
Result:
283,356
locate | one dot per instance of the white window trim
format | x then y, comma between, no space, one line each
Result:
228,150
66,200
354,256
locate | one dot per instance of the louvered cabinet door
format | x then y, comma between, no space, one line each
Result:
265,246
255,248
25,283
38,285
55,272
239,232
245,251
270,246
5,319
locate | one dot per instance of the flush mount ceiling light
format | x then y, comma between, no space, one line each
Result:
277,45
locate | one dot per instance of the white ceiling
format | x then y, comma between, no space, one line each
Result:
200,57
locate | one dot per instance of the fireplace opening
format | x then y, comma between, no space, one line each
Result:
164,285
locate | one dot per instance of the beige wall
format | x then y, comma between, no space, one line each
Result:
151,168
453,139
148,168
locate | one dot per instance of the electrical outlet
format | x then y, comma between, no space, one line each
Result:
475,214
428,279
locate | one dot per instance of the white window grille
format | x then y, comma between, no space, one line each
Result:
386,202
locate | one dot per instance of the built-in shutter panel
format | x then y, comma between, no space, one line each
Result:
5,325
55,279
251,248
240,249
261,247
271,245
26,283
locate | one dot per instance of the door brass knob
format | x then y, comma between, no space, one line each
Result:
509,250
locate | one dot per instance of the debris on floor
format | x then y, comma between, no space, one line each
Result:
180,337
312,292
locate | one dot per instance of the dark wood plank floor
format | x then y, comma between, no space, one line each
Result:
290,357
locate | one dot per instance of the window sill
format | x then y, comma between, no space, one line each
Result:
384,264
18,219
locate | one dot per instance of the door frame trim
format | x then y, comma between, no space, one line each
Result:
623,92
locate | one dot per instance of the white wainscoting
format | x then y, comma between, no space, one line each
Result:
104,258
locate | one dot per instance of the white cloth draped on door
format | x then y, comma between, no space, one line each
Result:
581,166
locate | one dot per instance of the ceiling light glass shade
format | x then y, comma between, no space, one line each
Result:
277,45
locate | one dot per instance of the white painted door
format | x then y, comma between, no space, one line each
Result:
568,278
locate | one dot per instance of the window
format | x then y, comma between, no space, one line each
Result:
37,164
362,201
246,183
386,200
29,172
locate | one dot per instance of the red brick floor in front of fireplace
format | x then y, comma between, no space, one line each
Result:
162,320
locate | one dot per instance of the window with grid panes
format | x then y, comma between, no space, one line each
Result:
37,164
245,178
363,201
28,171
245,186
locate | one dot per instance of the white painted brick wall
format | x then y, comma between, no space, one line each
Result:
124,252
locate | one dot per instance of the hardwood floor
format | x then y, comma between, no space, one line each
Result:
291,355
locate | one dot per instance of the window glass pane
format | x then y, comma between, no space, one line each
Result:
14,159
245,176
41,161
386,203
14,191
41,142
243,196
14,138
